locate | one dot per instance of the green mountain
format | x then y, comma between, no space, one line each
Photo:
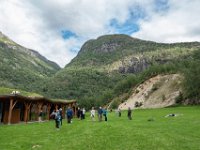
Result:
21,67
126,54
106,69
109,66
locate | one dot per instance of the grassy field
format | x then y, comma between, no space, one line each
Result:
149,130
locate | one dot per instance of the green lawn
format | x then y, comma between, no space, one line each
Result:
160,133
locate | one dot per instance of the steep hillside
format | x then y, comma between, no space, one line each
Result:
111,65
125,54
108,49
21,67
156,92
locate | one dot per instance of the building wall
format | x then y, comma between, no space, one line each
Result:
24,110
1,111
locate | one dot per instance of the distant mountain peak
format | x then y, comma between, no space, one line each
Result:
116,36
7,43
108,43
6,40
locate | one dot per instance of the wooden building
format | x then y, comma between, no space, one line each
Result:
15,108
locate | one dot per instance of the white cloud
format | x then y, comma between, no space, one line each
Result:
38,24
180,23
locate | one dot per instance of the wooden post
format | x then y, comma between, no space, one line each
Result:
28,113
48,112
27,110
10,110
56,107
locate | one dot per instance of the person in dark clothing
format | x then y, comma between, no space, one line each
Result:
129,113
100,112
81,114
119,111
83,110
78,112
69,114
105,114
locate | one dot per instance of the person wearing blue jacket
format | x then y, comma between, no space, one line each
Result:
69,114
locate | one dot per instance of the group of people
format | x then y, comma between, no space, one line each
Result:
129,114
102,112
58,116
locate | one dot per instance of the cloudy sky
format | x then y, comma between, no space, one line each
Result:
58,28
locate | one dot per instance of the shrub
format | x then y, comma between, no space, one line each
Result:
115,104
163,97
154,88
179,99
138,104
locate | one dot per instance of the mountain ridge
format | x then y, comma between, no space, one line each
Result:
102,70
16,61
105,69
11,44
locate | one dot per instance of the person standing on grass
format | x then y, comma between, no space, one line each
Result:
129,113
40,116
61,116
119,112
69,114
83,113
92,114
57,117
100,112
78,112
105,114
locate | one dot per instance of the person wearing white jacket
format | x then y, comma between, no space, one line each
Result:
92,114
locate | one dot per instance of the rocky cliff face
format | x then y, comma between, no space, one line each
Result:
107,47
134,65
